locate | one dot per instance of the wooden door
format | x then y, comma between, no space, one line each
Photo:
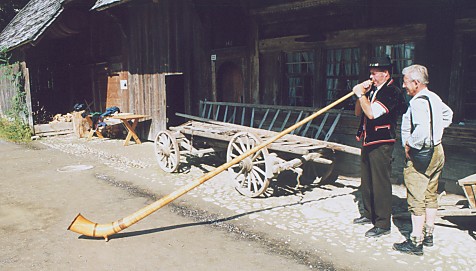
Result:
230,85
469,81
175,93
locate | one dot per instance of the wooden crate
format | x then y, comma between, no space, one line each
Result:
53,128
469,187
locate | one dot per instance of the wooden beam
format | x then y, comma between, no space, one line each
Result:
294,6
351,37
465,25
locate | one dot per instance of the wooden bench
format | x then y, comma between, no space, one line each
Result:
469,187
272,117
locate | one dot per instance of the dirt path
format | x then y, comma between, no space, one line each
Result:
39,197
212,227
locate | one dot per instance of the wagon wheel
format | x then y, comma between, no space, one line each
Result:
167,151
250,175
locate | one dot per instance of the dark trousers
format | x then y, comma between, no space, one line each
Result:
376,188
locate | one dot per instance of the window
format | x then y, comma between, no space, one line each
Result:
402,55
299,76
342,74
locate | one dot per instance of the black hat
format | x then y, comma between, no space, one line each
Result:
380,62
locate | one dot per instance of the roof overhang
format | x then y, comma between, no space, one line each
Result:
105,4
30,23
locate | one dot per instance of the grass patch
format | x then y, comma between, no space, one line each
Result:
14,131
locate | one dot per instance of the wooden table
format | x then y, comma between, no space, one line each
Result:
130,127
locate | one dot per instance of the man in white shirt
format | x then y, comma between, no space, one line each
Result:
422,128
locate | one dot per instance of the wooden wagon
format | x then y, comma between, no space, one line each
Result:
252,176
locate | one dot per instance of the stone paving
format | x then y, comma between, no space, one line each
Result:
316,217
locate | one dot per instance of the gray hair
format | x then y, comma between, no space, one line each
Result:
417,72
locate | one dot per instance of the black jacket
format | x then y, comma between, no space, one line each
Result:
382,129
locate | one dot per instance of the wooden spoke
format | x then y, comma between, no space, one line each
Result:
167,151
259,162
244,147
253,181
260,180
238,149
254,156
249,174
259,170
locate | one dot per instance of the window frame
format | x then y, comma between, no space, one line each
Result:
398,62
337,84
302,71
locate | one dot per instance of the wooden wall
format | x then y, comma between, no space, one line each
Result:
441,36
165,37
7,87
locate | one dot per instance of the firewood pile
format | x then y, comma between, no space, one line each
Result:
62,118
59,125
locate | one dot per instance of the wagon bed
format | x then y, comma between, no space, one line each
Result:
200,136
216,130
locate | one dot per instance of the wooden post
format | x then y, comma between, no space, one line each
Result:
26,87
254,61
214,81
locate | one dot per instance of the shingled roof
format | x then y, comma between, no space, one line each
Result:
28,25
104,4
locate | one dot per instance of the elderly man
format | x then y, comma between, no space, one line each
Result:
422,129
379,104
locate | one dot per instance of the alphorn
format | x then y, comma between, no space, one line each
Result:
83,226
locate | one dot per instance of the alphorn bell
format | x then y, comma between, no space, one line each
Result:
83,226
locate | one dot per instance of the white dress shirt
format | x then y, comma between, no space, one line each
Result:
420,113
377,108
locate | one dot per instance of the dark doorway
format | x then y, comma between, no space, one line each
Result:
174,88
230,83
469,82
99,87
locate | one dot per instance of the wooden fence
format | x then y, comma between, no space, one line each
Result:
8,86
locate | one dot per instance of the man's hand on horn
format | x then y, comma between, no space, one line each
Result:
362,88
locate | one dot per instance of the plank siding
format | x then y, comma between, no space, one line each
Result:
7,87
271,83
157,46
151,39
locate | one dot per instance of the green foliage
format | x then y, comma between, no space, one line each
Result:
19,109
14,130
4,57
15,127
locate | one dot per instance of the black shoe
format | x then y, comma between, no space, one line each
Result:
377,232
409,247
428,240
362,220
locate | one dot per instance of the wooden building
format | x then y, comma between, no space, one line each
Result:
158,57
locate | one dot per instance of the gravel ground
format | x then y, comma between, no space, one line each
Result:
312,224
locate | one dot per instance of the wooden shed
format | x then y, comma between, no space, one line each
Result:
158,57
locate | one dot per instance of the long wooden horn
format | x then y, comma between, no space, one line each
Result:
85,227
